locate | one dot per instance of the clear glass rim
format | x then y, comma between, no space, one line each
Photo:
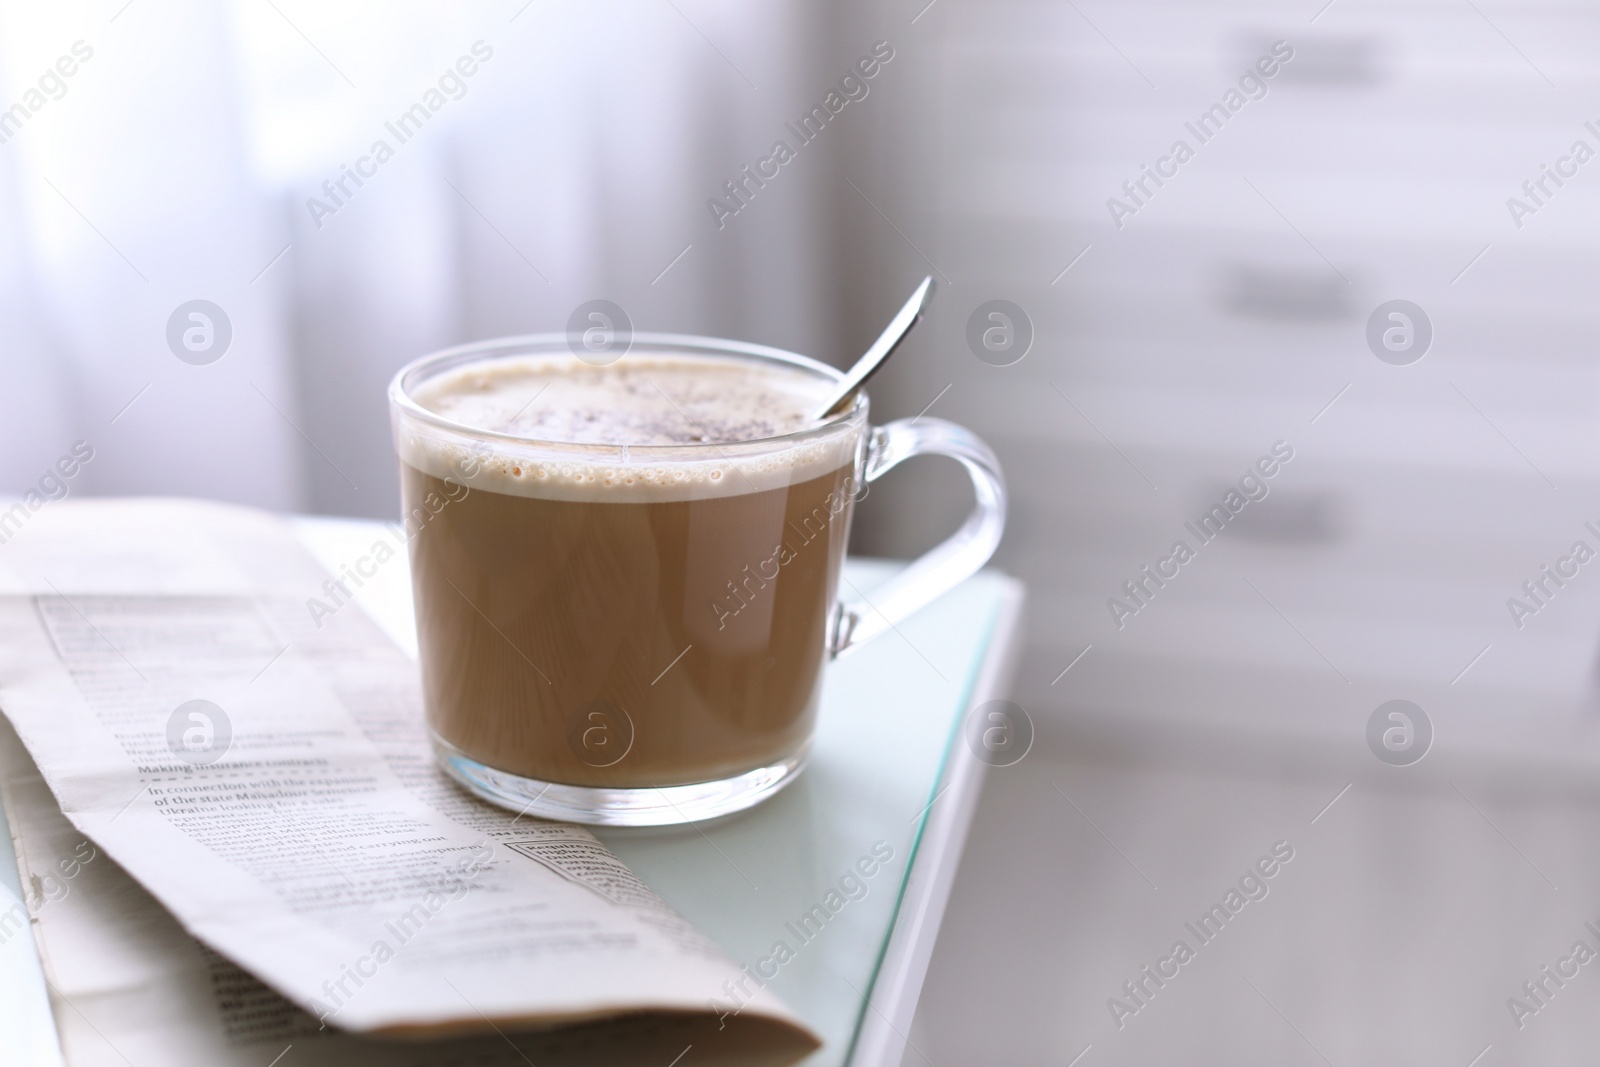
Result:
428,366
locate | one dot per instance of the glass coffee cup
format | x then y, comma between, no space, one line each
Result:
626,592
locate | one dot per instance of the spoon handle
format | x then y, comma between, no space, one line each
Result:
907,317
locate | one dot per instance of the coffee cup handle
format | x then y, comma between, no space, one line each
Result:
948,564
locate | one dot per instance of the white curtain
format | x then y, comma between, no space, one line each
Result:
200,152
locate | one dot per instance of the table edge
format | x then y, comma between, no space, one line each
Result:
891,1003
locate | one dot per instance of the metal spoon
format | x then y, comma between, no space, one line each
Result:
881,349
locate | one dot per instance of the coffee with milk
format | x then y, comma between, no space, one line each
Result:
627,595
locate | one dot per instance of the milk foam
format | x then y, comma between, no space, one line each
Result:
645,400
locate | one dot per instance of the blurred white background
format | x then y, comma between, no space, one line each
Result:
178,163
1228,313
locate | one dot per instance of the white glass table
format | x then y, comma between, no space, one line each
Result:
890,776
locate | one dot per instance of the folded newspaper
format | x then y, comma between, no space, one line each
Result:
262,782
